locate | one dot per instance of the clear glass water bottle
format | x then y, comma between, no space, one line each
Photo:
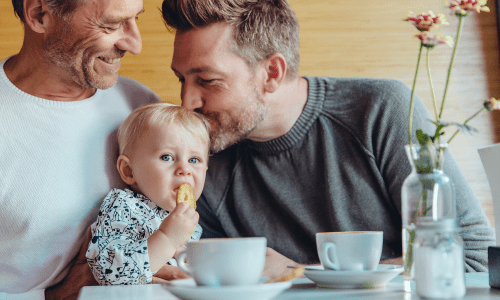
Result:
426,192
439,259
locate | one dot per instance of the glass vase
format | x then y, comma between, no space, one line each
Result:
426,192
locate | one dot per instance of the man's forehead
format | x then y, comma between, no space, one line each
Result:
113,10
199,50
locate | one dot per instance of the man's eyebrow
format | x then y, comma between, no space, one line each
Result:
121,19
196,71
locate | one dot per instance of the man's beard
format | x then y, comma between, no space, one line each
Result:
230,129
59,51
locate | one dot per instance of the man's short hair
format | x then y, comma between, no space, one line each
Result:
62,8
261,27
160,114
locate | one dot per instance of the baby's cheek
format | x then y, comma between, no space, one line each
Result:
199,188
197,193
165,200
170,204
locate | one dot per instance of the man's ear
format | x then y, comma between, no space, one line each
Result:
275,66
125,170
36,15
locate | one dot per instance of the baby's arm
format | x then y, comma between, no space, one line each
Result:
174,231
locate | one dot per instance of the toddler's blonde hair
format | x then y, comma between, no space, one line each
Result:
160,114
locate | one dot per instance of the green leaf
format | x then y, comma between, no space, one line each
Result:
423,138
423,164
439,130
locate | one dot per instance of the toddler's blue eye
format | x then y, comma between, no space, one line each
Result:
193,160
166,157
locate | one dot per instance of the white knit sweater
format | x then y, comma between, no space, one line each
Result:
57,163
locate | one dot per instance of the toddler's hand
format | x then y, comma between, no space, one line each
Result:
180,224
179,251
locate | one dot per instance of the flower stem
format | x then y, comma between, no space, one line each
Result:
431,85
470,118
409,253
410,118
457,39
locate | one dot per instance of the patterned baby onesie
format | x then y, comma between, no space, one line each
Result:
118,251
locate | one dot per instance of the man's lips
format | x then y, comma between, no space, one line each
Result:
110,60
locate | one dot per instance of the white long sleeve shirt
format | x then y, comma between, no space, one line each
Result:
57,163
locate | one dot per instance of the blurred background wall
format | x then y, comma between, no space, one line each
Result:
346,38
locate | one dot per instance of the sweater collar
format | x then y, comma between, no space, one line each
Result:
312,109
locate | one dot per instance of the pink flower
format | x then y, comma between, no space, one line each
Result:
424,22
492,104
461,7
431,41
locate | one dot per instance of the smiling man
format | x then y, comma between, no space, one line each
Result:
61,102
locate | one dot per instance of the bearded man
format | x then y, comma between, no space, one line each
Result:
298,155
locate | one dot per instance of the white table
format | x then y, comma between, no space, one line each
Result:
477,288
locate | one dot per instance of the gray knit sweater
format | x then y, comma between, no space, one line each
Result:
340,168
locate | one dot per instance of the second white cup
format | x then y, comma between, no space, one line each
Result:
225,261
350,250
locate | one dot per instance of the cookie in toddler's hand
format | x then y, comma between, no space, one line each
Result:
186,194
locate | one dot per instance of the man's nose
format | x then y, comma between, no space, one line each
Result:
131,40
191,97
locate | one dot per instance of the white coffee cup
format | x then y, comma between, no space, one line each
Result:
225,261
350,250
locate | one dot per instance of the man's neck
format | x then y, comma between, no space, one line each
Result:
32,74
284,109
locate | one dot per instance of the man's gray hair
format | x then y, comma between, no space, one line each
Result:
62,8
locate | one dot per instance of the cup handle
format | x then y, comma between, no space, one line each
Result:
181,263
325,258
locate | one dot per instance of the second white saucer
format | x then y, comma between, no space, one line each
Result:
353,279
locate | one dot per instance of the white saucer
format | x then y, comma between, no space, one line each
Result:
353,279
187,289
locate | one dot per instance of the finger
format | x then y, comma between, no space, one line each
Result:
169,272
158,280
190,212
179,251
181,208
196,217
192,221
